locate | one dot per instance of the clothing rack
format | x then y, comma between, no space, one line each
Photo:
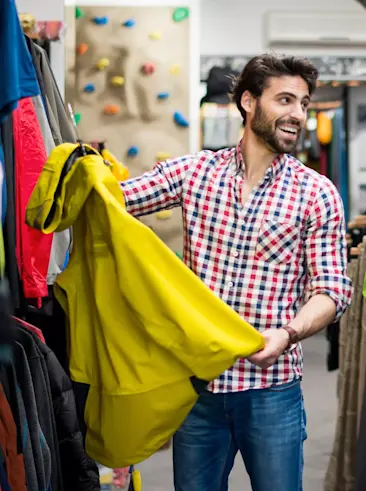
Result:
41,442
346,470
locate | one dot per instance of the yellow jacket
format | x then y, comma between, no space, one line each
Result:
141,324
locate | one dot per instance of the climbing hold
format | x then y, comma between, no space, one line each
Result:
103,63
79,13
77,118
160,156
175,69
155,36
133,151
117,81
163,95
111,109
89,88
180,119
179,255
101,21
82,49
148,68
129,23
164,214
180,14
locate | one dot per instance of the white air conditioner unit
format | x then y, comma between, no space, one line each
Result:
341,29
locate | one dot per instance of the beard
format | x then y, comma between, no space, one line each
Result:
264,129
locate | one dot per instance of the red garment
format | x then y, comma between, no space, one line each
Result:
8,441
33,249
31,328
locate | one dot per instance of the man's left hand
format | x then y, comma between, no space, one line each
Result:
276,341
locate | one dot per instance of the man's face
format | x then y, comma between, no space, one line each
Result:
280,113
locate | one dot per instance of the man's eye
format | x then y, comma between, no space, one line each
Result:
285,100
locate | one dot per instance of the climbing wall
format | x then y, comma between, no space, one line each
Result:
128,81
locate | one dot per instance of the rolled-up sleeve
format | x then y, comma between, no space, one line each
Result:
158,189
326,249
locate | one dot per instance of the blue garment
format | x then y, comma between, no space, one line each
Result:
18,77
267,426
4,483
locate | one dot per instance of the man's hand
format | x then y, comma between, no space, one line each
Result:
276,341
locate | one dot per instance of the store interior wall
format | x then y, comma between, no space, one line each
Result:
236,27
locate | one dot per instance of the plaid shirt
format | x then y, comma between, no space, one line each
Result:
265,258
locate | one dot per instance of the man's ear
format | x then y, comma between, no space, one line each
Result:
247,102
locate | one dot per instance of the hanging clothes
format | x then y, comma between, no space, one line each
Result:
141,323
8,441
40,448
32,248
18,80
350,432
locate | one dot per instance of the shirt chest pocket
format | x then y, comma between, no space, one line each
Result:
278,242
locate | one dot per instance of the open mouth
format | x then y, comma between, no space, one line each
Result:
289,131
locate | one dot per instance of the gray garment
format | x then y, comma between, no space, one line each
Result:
61,244
29,462
41,451
54,98
43,123
61,240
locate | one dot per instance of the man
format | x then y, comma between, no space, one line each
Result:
266,234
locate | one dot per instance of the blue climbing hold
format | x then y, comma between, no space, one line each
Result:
133,151
89,88
180,119
101,21
163,95
130,23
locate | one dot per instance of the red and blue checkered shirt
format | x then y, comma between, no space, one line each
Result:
266,257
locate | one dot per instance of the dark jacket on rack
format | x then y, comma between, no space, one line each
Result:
80,473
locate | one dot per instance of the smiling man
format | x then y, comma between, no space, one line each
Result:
267,235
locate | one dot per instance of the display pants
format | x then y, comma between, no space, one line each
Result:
267,426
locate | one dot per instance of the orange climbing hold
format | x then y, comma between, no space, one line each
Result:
82,49
112,109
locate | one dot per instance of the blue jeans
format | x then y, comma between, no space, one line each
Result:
267,426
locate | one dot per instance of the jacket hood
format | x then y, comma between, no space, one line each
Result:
58,198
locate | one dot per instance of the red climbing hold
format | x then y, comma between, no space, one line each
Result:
148,68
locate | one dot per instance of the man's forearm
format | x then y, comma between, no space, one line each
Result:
315,315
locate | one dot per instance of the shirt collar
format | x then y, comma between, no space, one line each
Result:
272,172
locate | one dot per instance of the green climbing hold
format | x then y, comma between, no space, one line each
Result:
79,13
179,255
180,14
77,118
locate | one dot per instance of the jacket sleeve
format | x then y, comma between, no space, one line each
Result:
158,189
79,472
33,249
326,249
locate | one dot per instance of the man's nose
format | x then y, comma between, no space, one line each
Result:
298,113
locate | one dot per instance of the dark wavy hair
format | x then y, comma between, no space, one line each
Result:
260,69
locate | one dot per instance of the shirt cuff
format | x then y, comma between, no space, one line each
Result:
341,295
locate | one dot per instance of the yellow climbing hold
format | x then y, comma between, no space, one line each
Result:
103,63
175,69
117,81
163,156
155,36
164,214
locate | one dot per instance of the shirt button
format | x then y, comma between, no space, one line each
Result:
230,284
236,254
